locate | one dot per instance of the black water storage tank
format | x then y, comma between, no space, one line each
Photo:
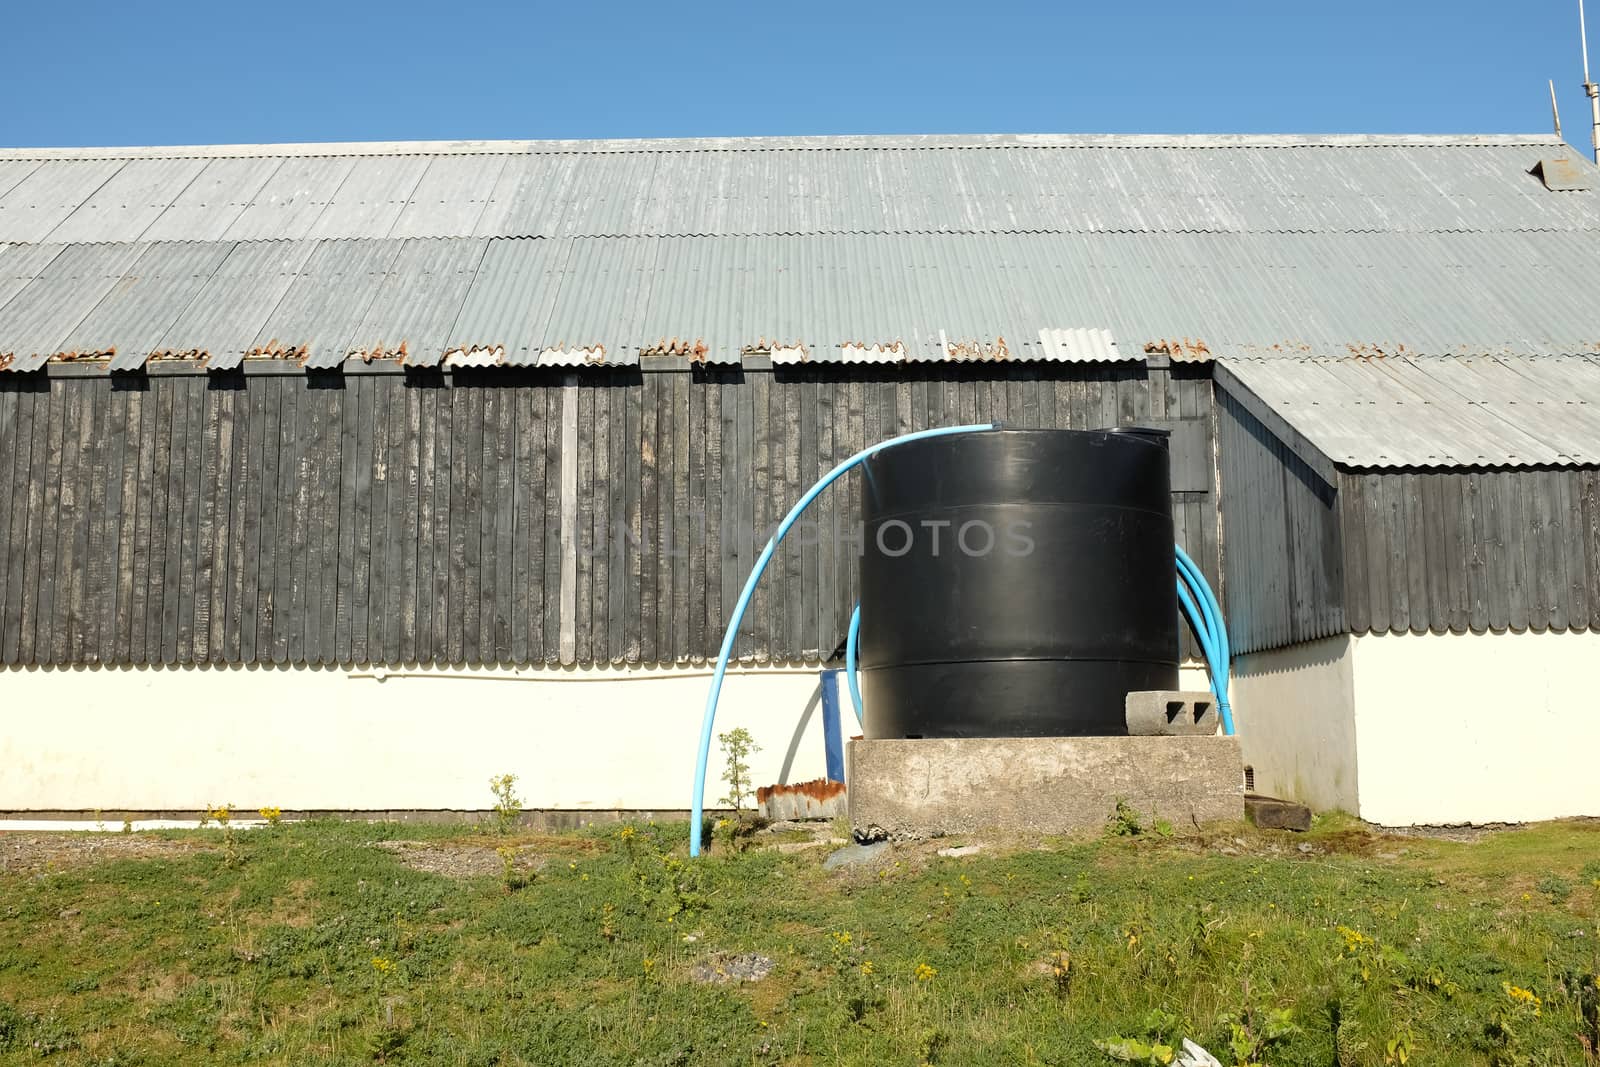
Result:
1016,583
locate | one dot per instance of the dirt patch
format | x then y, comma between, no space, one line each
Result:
29,852
464,860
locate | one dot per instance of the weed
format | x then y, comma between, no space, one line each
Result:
737,748
273,815
1124,821
507,805
1557,888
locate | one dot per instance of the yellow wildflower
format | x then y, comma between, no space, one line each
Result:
925,973
866,967
383,965
1523,997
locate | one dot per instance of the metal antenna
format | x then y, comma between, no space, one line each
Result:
1589,87
1555,112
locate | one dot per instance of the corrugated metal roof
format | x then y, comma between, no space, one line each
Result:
843,249
145,302
1513,411
326,303
808,185
35,322
226,317
419,301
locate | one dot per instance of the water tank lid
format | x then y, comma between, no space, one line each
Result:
1147,433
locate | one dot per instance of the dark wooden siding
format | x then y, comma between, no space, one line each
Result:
1281,543
1458,551
381,518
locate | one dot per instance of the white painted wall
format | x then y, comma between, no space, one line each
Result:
1293,709
1456,728
151,739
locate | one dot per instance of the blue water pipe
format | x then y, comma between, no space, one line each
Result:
708,724
1200,607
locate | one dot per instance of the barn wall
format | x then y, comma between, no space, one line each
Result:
385,518
1479,551
1281,540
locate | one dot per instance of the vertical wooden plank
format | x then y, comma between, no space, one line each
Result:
667,435
612,605
9,403
30,565
19,459
55,601
414,555
488,521
695,518
819,557
505,472
397,484
1414,528
471,529
240,474
633,516
361,511
1590,482
739,558
599,495
1536,577
323,559
1351,514
1474,526
1440,567
554,402
190,460
1552,549
520,402
797,453
1570,507
758,619
583,624
683,531
224,534
1513,535
297,442
288,544
125,510
89,594
715,512
209,533
349,461
442,402
461,521
172,583
159,541
650,558
422,643
245,608
538,541
1395,542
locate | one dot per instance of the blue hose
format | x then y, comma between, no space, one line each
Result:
708,724
850,653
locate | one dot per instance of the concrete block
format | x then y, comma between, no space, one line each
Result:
1039,785
1270,813
1163,713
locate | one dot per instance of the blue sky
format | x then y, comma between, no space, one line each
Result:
181,73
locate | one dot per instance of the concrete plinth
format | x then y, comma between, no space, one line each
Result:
1047,785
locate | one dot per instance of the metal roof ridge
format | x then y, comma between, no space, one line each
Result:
756,144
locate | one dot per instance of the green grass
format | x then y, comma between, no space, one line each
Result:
312,944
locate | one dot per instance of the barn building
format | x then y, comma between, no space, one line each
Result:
344,476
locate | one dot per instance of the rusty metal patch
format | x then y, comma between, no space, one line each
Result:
976,350
696,350
1184,349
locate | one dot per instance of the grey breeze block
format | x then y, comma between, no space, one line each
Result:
1157,712
924,788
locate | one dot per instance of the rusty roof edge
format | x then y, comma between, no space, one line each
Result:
736,144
